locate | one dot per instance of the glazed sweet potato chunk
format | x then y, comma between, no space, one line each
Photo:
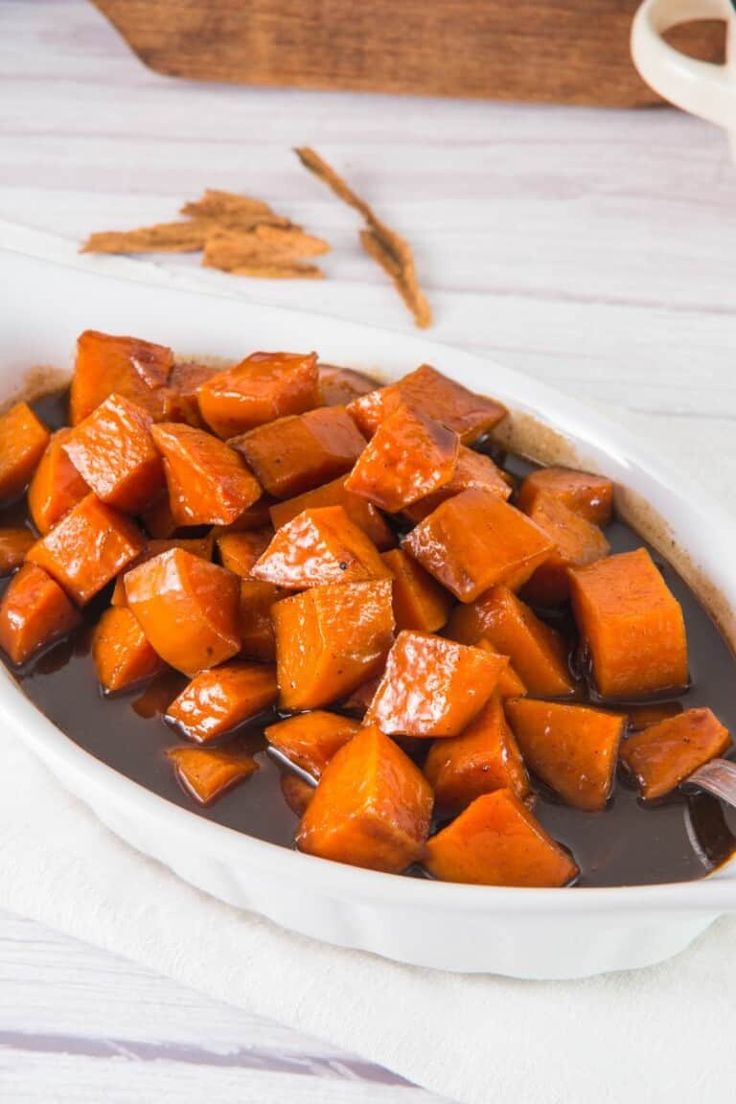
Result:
296,791
295,454
88,548
121,653
372,807
339,386
536,651
468,414
207,773
56,486
219,700
474,541
409,456
257,637
632,624
240,551
364,514
14,543
577,542
23,441
319,547
473,469
497,841
641,716
34,612
138,370
589,496
198,546
208,482
509,683
662,755
182,403
263,387
419,602
309,740
188,608
330,639
483,758
572,748
358,703
432,686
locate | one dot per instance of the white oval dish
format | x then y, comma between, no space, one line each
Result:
523,933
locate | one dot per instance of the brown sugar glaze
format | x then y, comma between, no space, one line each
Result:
679,840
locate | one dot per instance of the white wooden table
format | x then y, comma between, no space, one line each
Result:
594,249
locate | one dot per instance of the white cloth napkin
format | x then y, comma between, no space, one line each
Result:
664,1033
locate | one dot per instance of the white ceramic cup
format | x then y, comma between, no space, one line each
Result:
700,87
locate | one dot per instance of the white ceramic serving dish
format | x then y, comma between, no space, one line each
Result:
524,933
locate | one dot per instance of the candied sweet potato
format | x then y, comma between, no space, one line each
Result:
34,611
663,755
257,637
473,469
432,686
536,651
56,486
474,541
509,683
497,841
297,453
577,542
339,386
309,740
14,543
208,772
589,496
572,748
297,792
364,514
182,404
263,387
121,653
138,370
23,441
188,608
358,703
219,700
198,546
372,807
240,551
419,601
632,625
330,639
641,716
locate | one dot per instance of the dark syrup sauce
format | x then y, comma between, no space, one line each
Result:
679,840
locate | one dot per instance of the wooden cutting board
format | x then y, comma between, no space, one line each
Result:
564,51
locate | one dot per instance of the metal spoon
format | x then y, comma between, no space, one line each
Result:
718,777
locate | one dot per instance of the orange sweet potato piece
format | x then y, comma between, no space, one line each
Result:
474,541
33,612
297,453
121,653
536,651
56,486
509,683
449,402
309,740
208,482
358,703
318,547
432,686
419,602
577,542
257,637
88,548
263,387
330,639
240,551
138,370
641,716
572,748
497,841
297,792
219,700
188,608
663,755
207,773
483,758
182,404
198,546
632,625
23,441
364,514
409,456
14,543
372,807
589,496
339,386
473,469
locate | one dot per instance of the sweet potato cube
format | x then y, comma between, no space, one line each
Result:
296,791
240,551
105,364
536,651
208,482
470,415
158,519
14,543
663,755
589,496
56,487
263,387
207,773
309,740
297,453
121,653
509,683
88,548
319,547
182,404
256,516
432,686
632,625
497,841
198,546
188,608
339,386
483,758
219,700
330,639
409,456
572,748
641,716
23,441
257,637
34,611
474,541
419,602
372,807
577,542
472,470
364,514
358,703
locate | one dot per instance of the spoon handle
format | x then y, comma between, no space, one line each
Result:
718,778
